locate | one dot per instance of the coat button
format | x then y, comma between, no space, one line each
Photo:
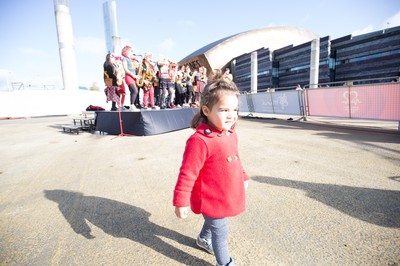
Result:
229,159
207,131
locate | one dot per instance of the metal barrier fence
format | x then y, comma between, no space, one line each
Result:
370,101
279,102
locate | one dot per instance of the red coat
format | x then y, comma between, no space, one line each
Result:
211,178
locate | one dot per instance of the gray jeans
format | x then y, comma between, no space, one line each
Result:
216,229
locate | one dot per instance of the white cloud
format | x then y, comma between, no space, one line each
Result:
187,23
393,21
167,44
365,30
29,51
304,20
91,45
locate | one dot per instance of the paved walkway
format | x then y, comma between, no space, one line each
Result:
359,124
319,195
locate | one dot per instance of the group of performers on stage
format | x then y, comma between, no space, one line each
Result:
156,85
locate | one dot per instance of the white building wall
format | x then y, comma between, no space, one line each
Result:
29,103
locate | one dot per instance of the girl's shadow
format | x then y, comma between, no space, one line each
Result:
119,220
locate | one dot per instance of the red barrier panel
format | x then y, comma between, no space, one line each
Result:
380,102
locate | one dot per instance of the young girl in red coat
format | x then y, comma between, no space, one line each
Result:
212,180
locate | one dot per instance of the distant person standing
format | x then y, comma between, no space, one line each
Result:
148,74
130,67
110,80
172,75
180,86
120,79
167,89
201,81
190,96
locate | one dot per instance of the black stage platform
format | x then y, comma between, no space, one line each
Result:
145,122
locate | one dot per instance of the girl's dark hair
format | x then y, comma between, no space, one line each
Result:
216,88
108,60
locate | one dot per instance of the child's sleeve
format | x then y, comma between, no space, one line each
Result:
192,163
245,176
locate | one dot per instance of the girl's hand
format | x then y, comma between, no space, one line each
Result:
181,212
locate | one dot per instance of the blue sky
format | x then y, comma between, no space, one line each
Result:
29,47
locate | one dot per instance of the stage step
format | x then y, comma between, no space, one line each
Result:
71,128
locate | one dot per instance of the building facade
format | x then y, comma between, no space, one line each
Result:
365,58
368,58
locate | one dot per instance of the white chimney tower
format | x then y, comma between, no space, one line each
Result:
113,42
66,45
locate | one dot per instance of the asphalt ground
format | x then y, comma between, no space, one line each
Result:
320,194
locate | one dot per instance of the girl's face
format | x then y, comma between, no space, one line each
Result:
224,114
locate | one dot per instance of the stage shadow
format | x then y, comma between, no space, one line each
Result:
375,206
120,220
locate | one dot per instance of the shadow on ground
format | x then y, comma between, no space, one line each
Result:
119,220
334,130
375,206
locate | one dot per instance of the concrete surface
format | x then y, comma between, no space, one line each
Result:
319,195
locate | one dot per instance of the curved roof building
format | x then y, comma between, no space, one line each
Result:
217,54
